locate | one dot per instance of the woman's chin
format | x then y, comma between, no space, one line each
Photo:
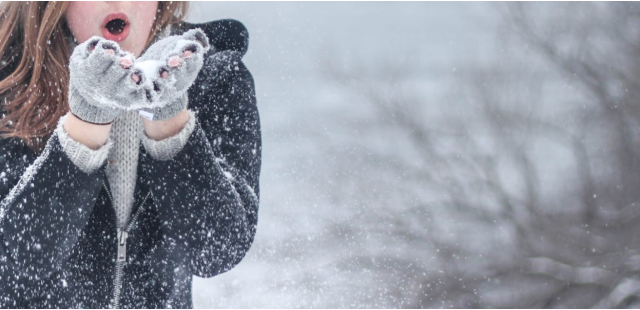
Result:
126,47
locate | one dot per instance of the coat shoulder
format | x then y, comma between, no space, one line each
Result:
223,73
223,34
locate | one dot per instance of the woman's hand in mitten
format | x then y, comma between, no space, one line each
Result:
169,67
102,81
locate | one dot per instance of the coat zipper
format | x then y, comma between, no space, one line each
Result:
122,247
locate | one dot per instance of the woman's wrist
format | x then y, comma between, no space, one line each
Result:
92,135
158,130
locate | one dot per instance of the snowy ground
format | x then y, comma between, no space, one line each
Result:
293,262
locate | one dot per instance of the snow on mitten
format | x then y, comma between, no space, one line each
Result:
170,67
100,81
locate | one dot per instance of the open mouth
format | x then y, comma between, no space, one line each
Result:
115,27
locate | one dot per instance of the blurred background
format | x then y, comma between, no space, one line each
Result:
441,155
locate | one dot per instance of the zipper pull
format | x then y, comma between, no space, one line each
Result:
122,245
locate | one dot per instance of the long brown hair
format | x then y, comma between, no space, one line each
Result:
34,44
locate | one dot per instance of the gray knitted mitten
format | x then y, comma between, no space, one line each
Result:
169,67
100,84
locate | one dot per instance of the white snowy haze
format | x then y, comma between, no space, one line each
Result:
440,155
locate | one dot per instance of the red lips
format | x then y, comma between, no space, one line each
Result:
113,36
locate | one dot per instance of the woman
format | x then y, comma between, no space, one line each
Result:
100,206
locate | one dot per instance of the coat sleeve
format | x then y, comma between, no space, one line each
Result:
207,195
45,203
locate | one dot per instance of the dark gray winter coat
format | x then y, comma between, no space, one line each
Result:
193,215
